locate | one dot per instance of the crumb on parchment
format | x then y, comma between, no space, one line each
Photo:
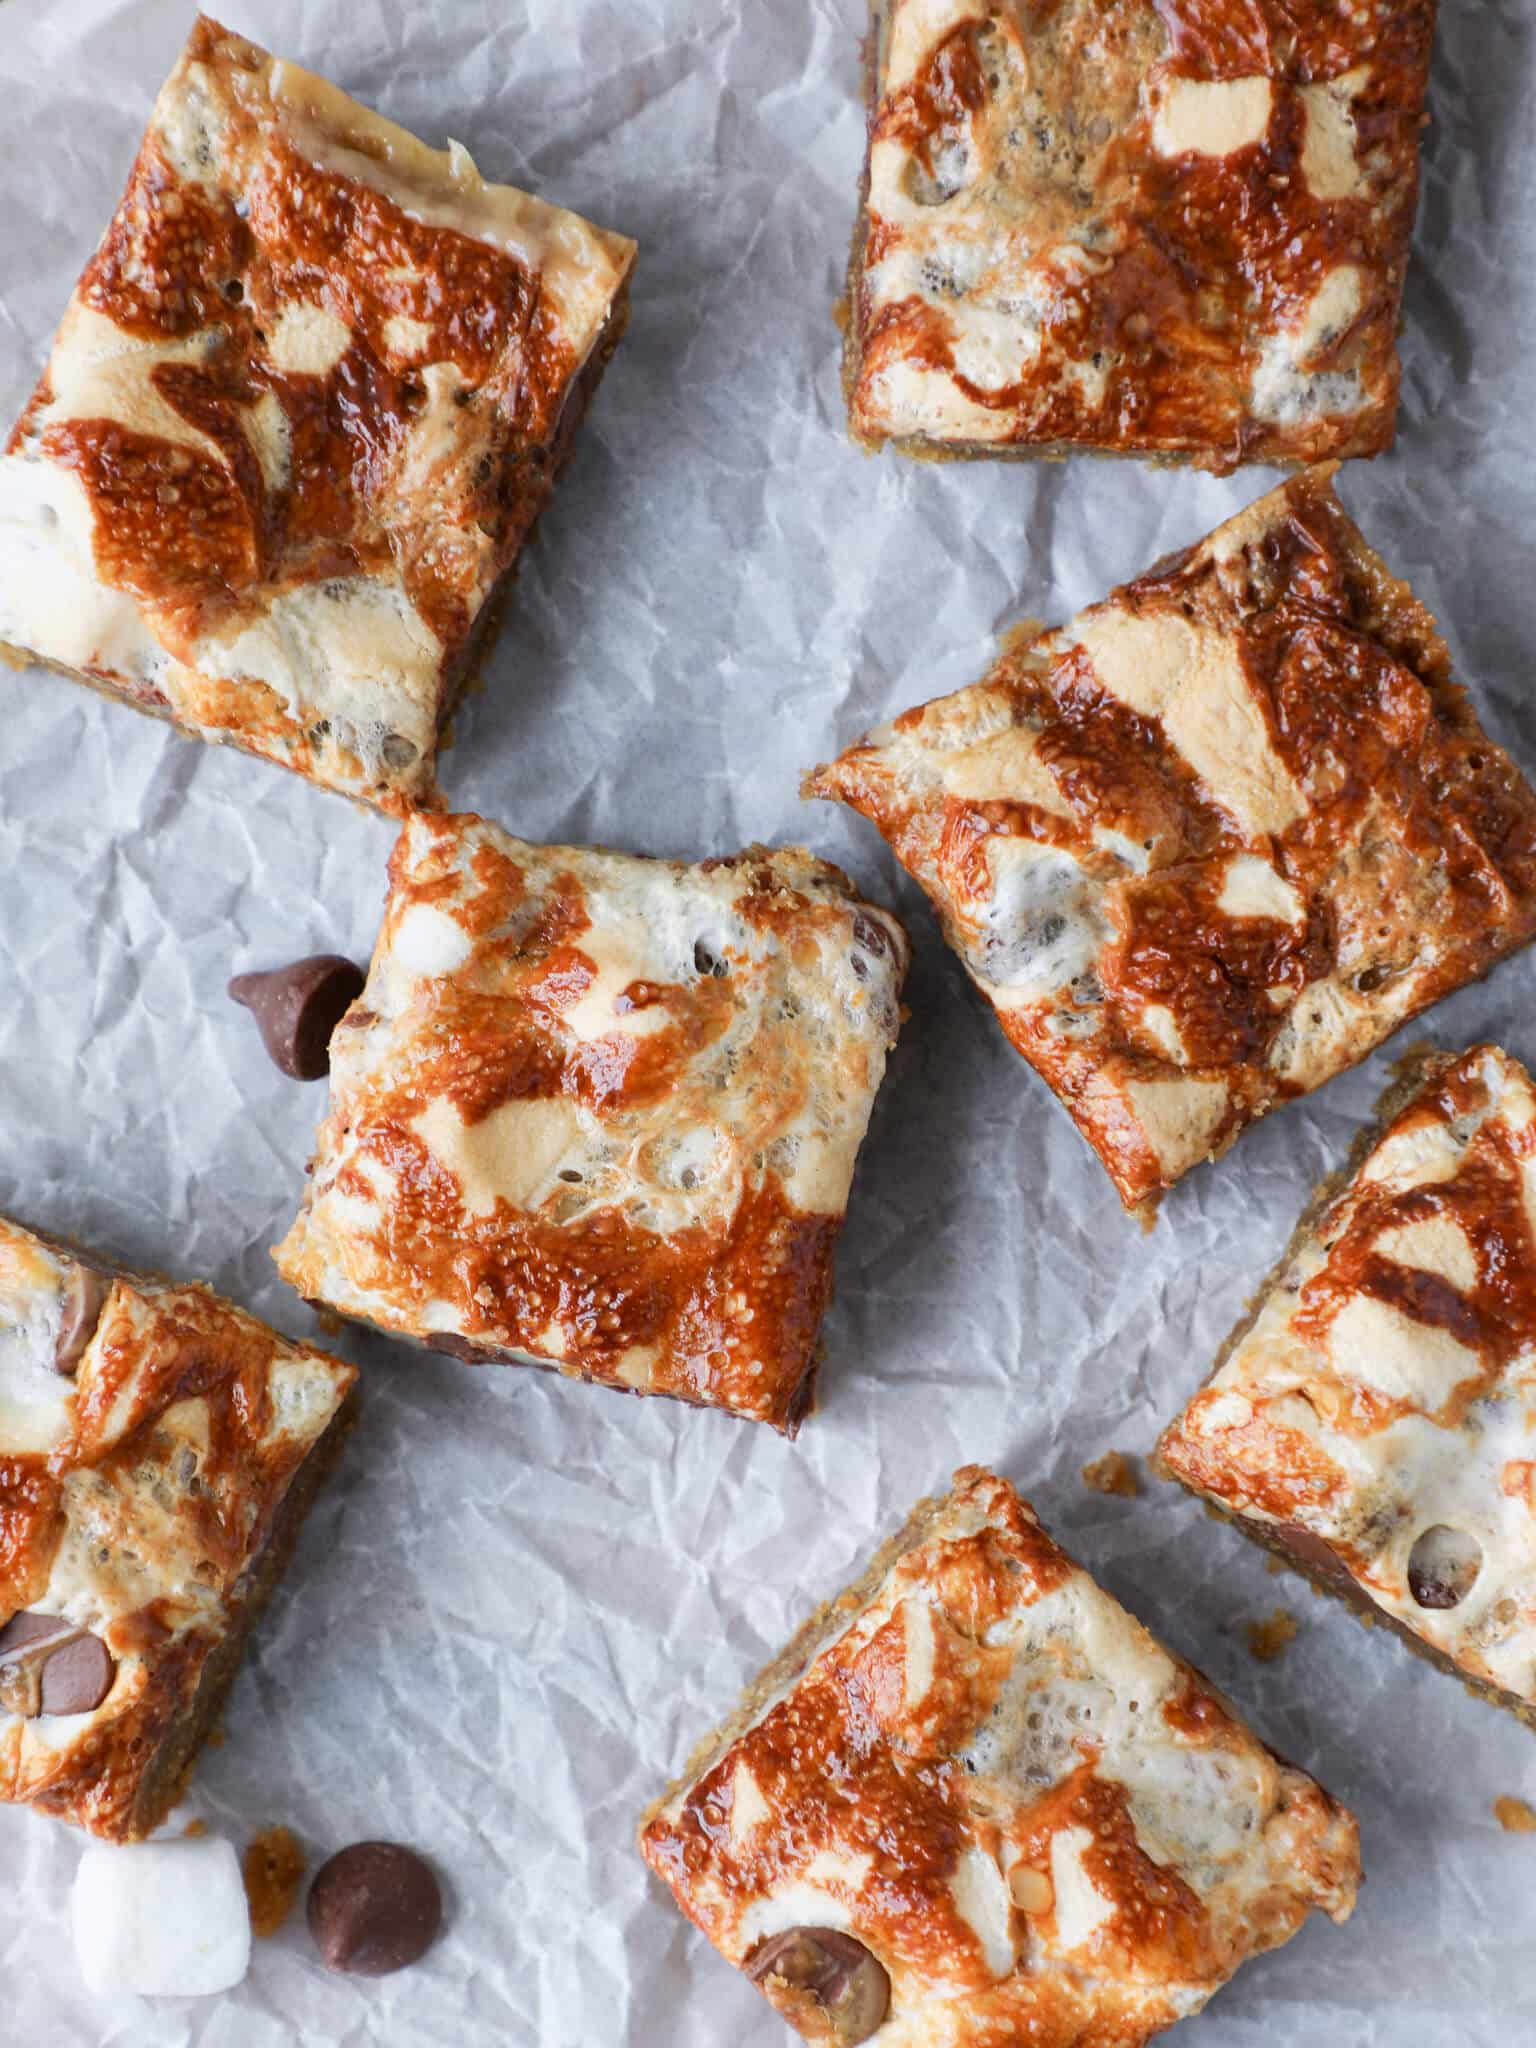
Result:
1270,1639
1515,1816
1021,635
272,1867
1113,1473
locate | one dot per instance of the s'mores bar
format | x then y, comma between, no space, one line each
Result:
1211,842
600,1113
159,1449
308,398
1168,228
1374,1420
975,1802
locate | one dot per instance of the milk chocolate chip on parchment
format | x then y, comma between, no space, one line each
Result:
298,1007
374,1908
49,1666
827,1985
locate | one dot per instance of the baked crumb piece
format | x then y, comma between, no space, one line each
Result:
1515,1816
273,1868
1113,1473
1270,1639
195,1830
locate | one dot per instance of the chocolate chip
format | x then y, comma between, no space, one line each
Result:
1371,979
874,938
298,1007
85,1293
374,1908
707,961
26,1630
77,1678
1443,1566
451,1345
1313,1550
824,1982
49,1666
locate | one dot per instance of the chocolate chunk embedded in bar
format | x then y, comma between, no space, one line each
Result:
85,1291
827,1985
49,1666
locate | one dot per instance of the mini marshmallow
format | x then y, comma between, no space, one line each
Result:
163,1919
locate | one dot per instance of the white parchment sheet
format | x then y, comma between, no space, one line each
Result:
522,1599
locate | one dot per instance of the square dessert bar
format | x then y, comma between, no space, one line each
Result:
975,1802
1167,228
1211,842
600,1113
307,400
158,1452
1374,1420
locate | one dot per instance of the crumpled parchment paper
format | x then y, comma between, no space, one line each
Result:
521,1599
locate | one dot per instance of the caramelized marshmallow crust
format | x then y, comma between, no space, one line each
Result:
1175,228
1211,842
146,1489
599,1112
1377,1418
307,399
1041,1825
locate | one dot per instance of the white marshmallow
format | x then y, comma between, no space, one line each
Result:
163,1919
